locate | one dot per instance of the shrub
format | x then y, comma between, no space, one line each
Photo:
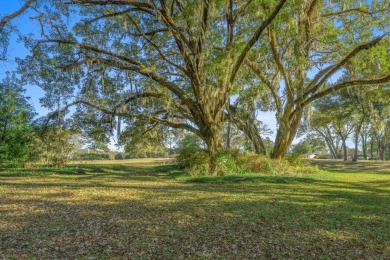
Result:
118,156
257,163
295,159
188,159
309,169
198,162
225,162
190,152
202,169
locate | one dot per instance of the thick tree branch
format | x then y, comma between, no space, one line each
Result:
110,2
114,112
279,64
203,31
135,66
93,49
270,86
110,15
325,74
354,10
345,84
6,19
157,48
253,40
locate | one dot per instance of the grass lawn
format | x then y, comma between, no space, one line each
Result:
143,210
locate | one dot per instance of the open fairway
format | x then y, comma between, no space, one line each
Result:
145,210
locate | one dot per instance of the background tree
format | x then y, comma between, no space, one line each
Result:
189,51
324,39
55,145
5,28
303,147
16,114
139,141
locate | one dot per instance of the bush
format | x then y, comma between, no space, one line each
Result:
119,156
198,162
199,169
225,162
190,152
295,159
257,163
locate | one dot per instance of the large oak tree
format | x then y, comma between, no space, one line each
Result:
186,53
180,63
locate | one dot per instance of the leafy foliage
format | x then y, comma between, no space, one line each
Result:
90,156
55,145
15,115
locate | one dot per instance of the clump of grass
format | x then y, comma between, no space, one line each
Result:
256,163
198,162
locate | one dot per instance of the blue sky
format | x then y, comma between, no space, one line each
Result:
17,49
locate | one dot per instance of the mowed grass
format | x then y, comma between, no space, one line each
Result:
142,210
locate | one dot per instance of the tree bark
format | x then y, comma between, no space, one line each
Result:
212,136
371,148
286,133
364,145
330,147
228,134
357,133
345,155
248,126
253,134
381,149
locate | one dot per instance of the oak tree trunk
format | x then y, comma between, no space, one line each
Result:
286,133
344,143
357,133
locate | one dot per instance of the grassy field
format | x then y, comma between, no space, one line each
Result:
145,209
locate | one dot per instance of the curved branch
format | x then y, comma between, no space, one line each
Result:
254,39
325,74
357,10
114,112
135,66
157,48
270,86
346,84
6,19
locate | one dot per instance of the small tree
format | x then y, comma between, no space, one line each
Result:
55,146
15,115
303,147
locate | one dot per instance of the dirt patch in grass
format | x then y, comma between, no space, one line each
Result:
122,211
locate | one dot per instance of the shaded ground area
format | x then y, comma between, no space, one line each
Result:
126,211
136,161
372,166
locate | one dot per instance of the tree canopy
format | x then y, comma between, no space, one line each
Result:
194,65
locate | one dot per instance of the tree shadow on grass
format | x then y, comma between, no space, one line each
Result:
232,179
91,171
179,221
